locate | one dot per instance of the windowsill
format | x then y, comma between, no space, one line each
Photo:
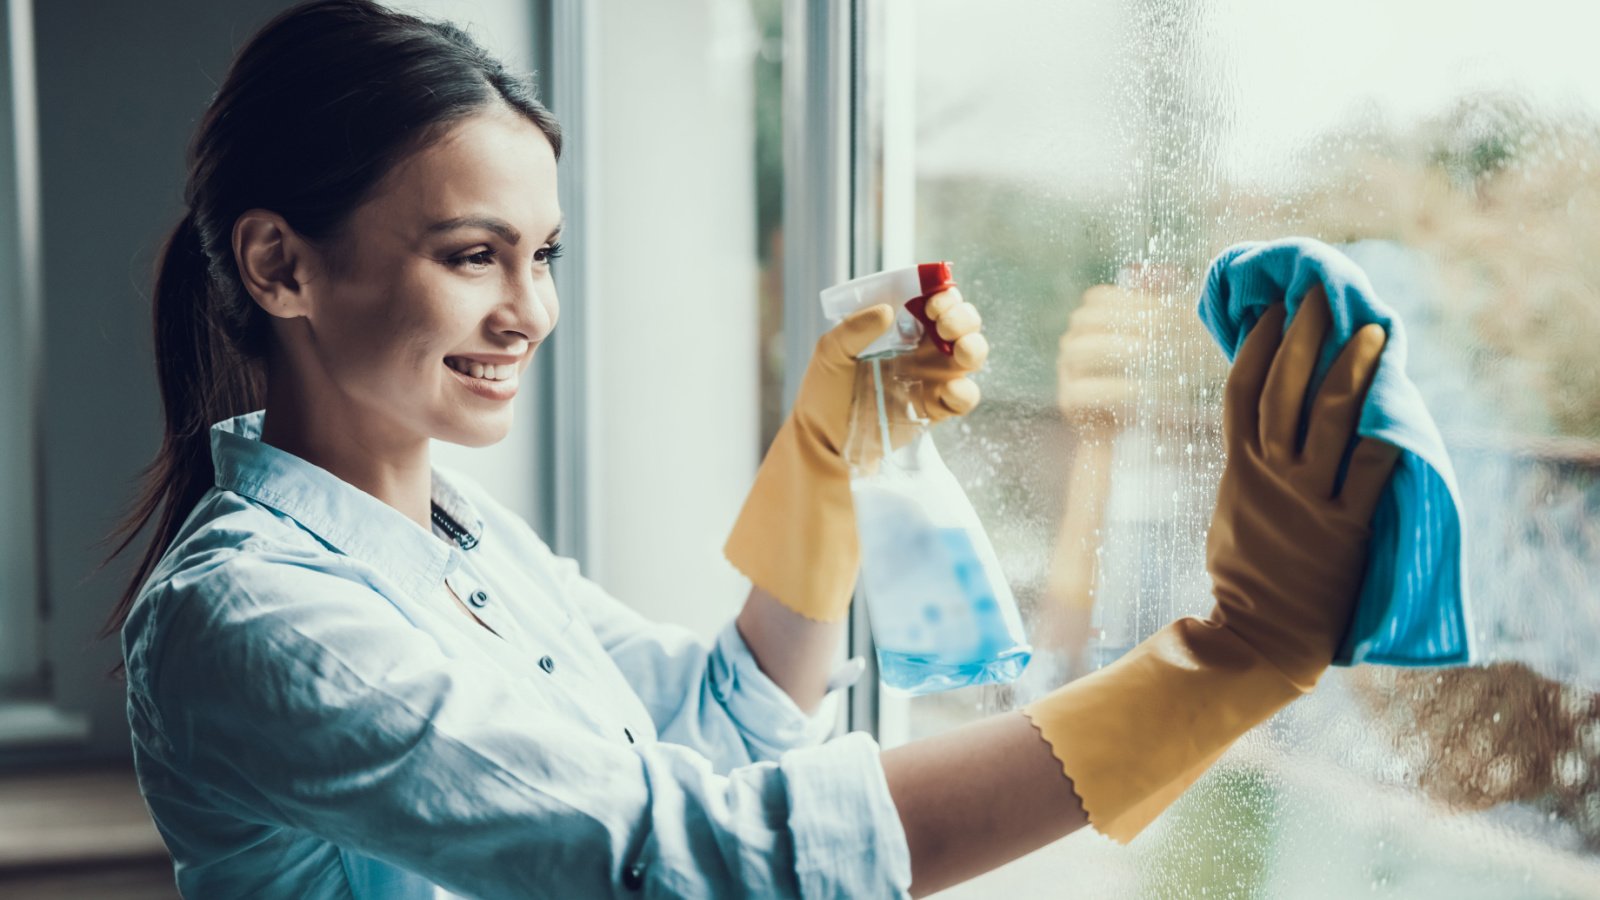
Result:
33,723
70,820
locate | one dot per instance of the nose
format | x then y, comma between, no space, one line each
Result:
531,308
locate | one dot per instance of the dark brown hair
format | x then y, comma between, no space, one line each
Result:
315,110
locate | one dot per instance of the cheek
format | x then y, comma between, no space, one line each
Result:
405,336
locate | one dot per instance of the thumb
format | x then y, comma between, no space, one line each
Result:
859,329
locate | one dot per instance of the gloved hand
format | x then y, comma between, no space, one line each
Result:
1286,552
795,538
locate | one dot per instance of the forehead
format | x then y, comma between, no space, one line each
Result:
493,163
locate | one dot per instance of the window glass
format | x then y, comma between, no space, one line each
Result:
1098,154
20,632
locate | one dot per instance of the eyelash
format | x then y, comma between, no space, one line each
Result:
484,257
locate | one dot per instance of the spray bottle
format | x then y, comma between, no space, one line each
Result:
942,614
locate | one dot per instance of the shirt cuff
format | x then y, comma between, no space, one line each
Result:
765,713
848,840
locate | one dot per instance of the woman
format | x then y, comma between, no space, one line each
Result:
351,674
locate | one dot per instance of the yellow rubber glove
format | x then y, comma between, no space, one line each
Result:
795,538
1286,556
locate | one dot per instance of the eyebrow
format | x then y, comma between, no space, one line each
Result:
499,226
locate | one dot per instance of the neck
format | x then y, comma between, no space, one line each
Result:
327,430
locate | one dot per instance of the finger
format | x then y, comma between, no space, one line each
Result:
1125,313
1284,394
958,321
855,333
1096,354
1103,295
1368,474
1242,395
970,352
942,302
954,398
1336,411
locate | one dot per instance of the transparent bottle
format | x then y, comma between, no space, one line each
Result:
942,613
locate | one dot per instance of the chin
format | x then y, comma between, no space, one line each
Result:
483,432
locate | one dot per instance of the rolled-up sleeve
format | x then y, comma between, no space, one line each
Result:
300,699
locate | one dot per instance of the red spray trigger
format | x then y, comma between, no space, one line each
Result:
935,277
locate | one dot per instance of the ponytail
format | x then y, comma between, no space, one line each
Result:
207,366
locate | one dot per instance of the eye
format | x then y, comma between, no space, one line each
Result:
548,254
480,260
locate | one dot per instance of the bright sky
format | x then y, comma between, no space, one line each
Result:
1041,87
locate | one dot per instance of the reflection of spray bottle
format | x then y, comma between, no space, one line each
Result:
942,613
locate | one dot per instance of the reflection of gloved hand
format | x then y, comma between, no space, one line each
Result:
1286,555
1097,388
796,536
1096,384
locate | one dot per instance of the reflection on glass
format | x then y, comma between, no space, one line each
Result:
768,66
1081,163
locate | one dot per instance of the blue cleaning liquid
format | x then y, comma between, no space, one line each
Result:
943,628
922,675
938,620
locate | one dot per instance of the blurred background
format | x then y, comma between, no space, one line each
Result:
726,159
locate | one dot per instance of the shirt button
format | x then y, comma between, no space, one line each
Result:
633,877
478,599
547,664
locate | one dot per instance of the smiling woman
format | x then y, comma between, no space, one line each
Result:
354,673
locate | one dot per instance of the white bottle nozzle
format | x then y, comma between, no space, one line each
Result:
907,290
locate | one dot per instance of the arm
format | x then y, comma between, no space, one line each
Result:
977,798
293,699
795,652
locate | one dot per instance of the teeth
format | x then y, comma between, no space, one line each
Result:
479,370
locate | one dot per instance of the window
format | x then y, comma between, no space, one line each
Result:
20,588
1455,153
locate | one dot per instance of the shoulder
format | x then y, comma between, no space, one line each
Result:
229,543
241,585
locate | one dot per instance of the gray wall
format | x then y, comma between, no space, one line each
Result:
121,86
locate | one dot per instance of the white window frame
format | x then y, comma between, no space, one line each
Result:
849,201
28,719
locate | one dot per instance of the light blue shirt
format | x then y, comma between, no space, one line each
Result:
313,716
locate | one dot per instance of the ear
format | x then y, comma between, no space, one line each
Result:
275,263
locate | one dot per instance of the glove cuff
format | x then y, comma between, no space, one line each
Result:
1134,735
795,538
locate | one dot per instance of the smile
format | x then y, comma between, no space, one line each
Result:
498,382
479,370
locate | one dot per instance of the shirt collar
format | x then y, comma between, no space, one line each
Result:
340,514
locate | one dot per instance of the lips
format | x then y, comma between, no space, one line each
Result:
490,389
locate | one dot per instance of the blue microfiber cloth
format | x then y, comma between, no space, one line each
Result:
1413,605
